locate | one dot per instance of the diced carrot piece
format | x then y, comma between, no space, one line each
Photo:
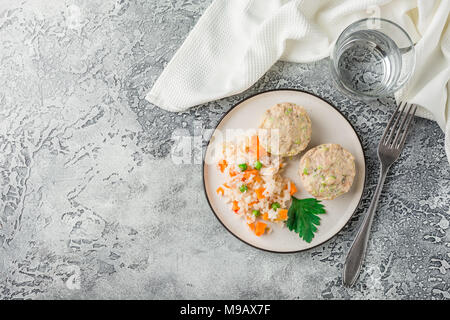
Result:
250,172
251,226
232,173
256,148
220,190
282,214
226,185
293,189
222,165
259,193
235,206
252,203
265,216
260,228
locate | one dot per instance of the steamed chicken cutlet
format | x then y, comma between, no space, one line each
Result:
293,125
327,171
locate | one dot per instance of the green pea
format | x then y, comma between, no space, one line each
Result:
305,171
243,166
256,213
258,165
275,205
243,188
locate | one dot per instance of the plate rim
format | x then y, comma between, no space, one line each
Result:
209,141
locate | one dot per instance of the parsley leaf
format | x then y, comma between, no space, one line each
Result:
303,217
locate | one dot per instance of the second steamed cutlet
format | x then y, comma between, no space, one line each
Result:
327,171
294,129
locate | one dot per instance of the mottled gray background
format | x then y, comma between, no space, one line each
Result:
92,206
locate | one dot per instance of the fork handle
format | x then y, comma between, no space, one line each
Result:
355,256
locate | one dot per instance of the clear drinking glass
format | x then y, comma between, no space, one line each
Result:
372,58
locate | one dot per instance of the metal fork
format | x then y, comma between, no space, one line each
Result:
390,147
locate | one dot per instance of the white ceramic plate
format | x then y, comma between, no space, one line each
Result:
328,126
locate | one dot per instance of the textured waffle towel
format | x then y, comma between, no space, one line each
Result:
236,41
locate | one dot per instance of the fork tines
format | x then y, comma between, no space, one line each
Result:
395,134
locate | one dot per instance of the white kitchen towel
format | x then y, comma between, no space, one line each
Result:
236,41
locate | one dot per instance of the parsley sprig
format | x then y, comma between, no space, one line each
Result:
303,217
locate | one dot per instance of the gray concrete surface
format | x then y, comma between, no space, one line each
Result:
92,207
